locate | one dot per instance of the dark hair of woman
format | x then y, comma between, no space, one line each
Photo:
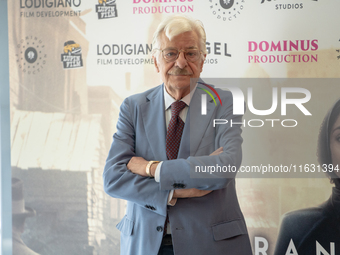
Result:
324,150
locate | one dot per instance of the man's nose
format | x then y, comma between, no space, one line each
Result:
181,62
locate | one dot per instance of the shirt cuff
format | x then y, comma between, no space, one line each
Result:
171,201
158,172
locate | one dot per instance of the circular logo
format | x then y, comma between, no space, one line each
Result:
31,55
226,10
226,4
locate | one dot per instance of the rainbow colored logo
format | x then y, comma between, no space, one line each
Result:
208,92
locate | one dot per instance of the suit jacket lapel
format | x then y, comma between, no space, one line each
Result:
153,115
195,125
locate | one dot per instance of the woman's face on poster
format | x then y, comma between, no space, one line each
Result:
335,145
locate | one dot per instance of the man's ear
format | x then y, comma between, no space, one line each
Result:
156,64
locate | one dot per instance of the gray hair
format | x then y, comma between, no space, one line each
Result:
178,24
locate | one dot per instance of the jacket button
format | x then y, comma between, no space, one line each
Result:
159,229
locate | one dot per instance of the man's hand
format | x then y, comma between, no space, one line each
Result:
187,193
137,165
217,152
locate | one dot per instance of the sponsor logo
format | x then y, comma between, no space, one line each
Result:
31,55
106,9
216,49
137,54
124,54
71,56
226,10
298,51
164,6
49,3
39,8
286,6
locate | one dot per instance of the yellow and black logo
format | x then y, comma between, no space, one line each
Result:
71,56
106,9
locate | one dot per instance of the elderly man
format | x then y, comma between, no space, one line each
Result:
151,157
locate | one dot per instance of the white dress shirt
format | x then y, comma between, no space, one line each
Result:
168,100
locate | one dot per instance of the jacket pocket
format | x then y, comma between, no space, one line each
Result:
125,226
225,230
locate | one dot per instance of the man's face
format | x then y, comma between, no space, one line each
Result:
176,75
335,144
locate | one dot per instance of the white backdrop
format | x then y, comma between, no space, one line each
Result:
294,39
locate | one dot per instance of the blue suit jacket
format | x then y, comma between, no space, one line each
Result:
212,224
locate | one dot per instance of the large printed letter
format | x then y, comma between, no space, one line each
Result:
297,102
261,250
238,100
291,250
262,112
321,251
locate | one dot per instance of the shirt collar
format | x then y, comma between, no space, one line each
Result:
168,100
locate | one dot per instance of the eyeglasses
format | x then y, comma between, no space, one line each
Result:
171,54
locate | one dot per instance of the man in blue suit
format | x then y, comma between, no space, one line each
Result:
161,137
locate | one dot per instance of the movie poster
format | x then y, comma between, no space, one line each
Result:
73,62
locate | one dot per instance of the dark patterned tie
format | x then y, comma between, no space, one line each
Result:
175,130
173,137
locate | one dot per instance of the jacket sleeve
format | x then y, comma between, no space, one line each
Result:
119,182
180,173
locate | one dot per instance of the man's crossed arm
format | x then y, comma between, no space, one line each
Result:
137,165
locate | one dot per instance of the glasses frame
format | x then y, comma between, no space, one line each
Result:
178,52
